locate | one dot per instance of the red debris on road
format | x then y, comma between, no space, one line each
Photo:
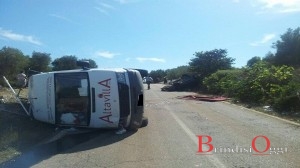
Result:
203,98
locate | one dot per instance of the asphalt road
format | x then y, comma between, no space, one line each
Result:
236,137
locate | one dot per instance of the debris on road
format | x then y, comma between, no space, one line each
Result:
203,98
267,108
2,100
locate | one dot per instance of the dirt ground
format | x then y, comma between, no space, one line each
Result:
18,132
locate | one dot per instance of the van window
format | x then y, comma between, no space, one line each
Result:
72,98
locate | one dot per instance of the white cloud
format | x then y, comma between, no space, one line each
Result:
102,10
281,6
267,38
8,34
143,59
60,17
122,1
126,1
106,54
104,7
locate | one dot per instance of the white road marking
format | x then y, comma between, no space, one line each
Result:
213,159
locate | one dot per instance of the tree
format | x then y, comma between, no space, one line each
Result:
92,63
270,57
40,62
253,61
176,73
288,48
12,61
209,62
157,75
65,63
69,62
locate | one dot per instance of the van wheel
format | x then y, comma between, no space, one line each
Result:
144,122
134,126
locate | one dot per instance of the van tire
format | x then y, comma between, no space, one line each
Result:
134,125
144,122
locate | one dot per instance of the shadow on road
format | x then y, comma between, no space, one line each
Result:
67,144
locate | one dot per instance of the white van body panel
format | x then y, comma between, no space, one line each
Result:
41,97
102,97
107,112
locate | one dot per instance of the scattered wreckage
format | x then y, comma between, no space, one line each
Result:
87,98
186,82
203,98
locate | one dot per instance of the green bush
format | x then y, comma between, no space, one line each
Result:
289,98
261,83
223,82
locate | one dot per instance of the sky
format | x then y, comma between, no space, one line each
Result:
146,34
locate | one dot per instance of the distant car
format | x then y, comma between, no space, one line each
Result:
186,82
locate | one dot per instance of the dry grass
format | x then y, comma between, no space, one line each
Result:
18,132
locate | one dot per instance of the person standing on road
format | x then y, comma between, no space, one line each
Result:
165,80
148,81
22,81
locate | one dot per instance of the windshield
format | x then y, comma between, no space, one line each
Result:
72,98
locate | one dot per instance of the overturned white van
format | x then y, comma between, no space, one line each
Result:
90,98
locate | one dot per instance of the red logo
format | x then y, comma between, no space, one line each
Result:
268,145
206,147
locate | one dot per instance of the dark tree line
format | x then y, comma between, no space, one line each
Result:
206,63
12,61
288,49
203,65
69,62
